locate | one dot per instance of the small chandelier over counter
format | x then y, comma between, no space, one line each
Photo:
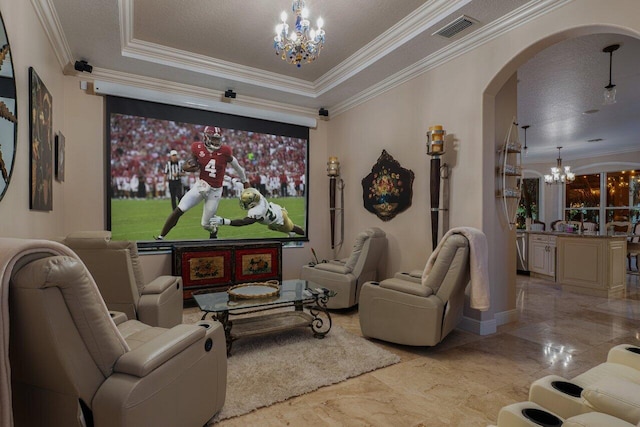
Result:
559,174
304,43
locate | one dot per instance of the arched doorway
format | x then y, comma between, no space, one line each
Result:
493,97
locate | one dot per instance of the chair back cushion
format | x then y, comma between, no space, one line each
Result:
452,260
114,265
622,227
636,233
83,302
449,278
366,253
356,250
63,344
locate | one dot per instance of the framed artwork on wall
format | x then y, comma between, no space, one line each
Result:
41,137
388,189
59,157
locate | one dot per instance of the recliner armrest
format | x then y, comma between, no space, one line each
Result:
150,355
118,317
406,287
625,354
412,276
161,284
334,268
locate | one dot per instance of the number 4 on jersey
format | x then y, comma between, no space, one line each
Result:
211,168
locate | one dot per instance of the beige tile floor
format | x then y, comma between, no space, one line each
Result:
465,380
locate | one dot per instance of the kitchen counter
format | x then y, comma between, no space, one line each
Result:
587,263
586,234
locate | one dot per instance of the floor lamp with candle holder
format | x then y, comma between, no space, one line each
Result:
335,183
435,149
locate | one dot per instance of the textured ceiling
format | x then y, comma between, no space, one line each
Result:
227,44
561,83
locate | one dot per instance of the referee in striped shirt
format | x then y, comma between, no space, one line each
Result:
173,170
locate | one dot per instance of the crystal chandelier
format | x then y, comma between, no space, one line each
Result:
559,174
303,44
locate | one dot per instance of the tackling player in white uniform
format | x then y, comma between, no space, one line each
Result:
260,210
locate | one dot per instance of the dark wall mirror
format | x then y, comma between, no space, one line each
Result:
8,112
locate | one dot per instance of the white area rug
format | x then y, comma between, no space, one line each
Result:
273,368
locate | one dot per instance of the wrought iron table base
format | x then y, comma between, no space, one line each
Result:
317,318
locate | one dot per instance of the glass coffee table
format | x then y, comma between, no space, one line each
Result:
308,300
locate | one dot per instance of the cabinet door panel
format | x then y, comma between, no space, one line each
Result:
538,258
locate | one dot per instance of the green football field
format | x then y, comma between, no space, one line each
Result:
133,219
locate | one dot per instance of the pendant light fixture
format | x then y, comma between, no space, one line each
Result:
559,174
610,89
525,127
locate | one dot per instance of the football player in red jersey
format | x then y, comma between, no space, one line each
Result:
210,157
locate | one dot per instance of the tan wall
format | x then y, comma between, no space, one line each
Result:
30,48
85,160
459,94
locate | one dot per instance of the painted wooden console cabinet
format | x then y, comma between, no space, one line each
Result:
587,264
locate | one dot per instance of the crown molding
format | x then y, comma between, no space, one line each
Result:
125,15
51,24
518,17
406,29
202,64
184,60
400,33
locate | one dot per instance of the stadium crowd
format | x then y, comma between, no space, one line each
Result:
140,147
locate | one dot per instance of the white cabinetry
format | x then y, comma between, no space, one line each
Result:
593,266
542,255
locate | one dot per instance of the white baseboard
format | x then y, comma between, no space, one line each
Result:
484,327
505,317
488,327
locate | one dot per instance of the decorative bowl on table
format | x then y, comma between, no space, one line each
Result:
254,290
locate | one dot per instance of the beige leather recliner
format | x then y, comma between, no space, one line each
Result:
404,311
70,363
610,396
347,275
530,414
612,387
115,266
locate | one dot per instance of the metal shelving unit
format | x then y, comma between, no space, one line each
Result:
510,173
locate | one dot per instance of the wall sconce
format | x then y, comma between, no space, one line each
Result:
435,148
333,172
